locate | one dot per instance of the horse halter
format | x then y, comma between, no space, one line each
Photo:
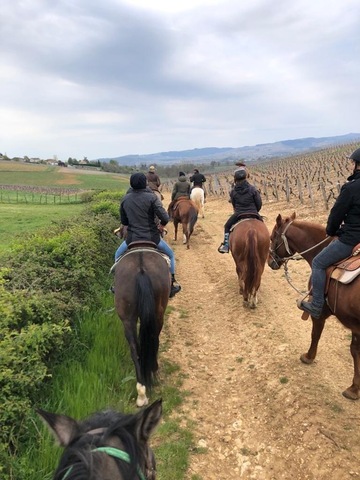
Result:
112,452
284,242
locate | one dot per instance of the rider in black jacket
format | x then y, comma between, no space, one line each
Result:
344,223
137,211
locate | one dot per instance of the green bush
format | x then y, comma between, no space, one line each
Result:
47,280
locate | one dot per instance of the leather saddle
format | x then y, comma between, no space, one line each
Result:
345,271
142,244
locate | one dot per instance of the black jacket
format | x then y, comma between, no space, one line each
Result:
245,198
344,217
198,179
137,210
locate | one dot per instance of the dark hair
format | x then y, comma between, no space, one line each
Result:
355,156
138,181
240,174
196,170
182,174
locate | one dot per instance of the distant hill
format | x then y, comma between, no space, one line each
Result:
257,153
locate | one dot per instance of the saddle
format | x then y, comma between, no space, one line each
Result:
142,244
345,271
246,216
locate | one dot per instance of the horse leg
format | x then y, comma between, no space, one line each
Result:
185,235
353,392
131,337
176,223
317,328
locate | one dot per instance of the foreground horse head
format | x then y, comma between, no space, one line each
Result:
107,445
198,197
249,245
290,236
142,288
185,213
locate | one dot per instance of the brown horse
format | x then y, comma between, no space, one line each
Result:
184,211
249,245
290,236
142,288
109,444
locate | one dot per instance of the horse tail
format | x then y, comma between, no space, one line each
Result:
252,264
193,216
148,337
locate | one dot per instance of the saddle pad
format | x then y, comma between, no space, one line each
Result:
347,270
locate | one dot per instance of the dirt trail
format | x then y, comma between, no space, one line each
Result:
259,413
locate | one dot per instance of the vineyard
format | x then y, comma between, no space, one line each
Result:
310,179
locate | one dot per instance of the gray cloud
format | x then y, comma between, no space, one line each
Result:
98,79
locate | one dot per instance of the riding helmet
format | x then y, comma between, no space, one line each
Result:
355,155
240,174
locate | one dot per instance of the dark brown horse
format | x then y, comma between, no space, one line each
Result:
109,444
142,288
249,246
290,236
184,212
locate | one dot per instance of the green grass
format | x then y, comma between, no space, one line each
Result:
17,219
14,173
100,374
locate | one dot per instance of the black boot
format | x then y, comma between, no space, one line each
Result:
175,287
224,247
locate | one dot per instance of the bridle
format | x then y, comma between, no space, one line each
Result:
112,452
284,242
292,255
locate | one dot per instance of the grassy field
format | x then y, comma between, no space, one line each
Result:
18,218
14,173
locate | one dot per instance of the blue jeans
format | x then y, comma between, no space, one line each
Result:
334,252
162,246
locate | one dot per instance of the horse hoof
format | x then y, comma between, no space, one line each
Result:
305,359
348,393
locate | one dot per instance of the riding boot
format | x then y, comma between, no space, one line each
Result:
224,247
312,308
175,287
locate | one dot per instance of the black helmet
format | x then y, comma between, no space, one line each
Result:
355,155
240,174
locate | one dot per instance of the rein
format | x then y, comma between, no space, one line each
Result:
293,256
112,452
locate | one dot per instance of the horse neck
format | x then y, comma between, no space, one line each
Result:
304,235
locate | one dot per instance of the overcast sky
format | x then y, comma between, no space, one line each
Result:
105,78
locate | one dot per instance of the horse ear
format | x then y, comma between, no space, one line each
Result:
278,220
293,216
147,420
62,427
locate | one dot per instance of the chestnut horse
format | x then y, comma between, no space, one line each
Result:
290,236
184,212
249,245
142,288
109,444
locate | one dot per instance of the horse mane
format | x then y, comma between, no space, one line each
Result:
78,462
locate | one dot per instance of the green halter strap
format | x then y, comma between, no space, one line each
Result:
113,452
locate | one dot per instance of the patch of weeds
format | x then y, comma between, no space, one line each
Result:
239,359
284,380
200,450
183,314
196,477
336,408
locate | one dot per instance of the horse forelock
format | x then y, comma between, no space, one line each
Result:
79,461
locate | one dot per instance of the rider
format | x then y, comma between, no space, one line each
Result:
344,223
154,182
137,211
245,199
180,189
198,180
